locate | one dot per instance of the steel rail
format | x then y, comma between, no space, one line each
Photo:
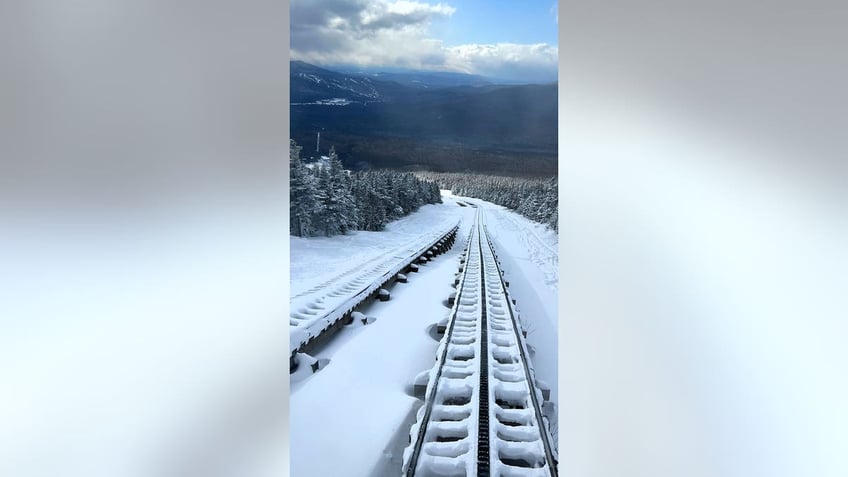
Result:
483,459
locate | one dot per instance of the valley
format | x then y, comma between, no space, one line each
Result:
444,126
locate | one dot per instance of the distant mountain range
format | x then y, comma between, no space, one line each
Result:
425,120
310,83
424,79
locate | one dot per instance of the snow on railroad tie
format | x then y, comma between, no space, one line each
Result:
360,319
306,365
482,375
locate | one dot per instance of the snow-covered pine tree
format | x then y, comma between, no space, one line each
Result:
536,199
322,218
344,191
359,191
329,200
387,195
551,203
302,192
376,212
294,151
408,193
338,214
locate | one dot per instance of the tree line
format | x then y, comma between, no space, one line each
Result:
328,200
536,199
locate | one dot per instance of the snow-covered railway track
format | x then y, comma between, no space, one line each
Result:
322,310
482,414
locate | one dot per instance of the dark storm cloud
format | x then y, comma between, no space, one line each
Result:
324,26
306,13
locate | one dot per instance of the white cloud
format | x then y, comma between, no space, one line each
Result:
395,33
403,7
506,60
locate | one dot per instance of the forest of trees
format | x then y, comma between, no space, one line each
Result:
535,199
328,200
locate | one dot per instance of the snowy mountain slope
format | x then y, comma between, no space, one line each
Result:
315,301
538,240
422,79
309,83
361,398
318,261
359,405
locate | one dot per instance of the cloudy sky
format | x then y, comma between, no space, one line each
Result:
507,39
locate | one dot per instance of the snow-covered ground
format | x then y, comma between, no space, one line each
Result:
318,261
338,269
359,409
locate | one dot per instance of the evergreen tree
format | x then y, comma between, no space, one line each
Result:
536,199
338,209
328,200
348,217
302,195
